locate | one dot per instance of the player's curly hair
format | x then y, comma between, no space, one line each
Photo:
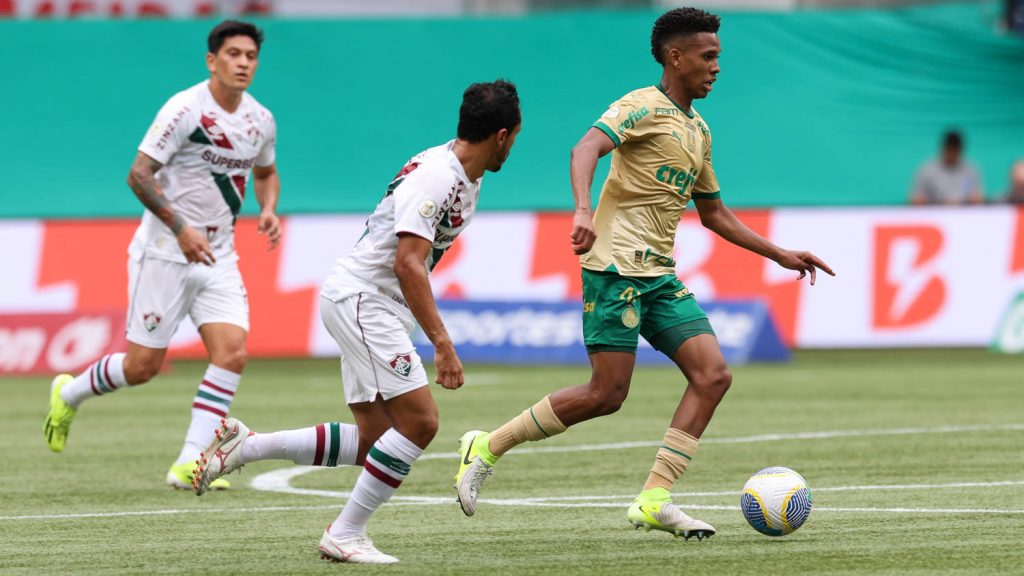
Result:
229,28
486,108
680,22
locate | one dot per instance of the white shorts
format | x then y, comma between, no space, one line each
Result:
161,292
377,354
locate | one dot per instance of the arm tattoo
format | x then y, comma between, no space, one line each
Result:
143,182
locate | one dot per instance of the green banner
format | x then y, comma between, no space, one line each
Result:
833,107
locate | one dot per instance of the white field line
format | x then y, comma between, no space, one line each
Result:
595,501
750,439
280,481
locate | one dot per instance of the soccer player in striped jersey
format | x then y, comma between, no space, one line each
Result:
370,303
190,173
661,160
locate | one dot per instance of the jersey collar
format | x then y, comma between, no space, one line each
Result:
689,113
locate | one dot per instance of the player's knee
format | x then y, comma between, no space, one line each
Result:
419,429
139,371
232,359
425,429
715,381
608,397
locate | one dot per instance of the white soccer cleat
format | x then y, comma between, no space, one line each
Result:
354,550
222,456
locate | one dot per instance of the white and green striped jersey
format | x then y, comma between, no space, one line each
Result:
431,197
207,156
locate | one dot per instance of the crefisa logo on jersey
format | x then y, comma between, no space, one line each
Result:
151,320
401,364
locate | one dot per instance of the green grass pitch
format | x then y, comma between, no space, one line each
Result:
915,460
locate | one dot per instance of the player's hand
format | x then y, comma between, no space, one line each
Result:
583,235
270,225
448,367
805,262
195,246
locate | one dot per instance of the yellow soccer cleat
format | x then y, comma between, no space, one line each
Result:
58,419
653,509
477,463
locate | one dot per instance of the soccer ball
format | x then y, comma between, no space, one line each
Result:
776,501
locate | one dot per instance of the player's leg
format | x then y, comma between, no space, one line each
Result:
413,418
693,347
327,444
611,326
220,310
708,379
382,365
156,305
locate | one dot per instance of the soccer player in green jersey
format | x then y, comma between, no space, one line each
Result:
662,159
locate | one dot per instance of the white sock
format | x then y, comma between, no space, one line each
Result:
211,404
328,444
102,377
388,463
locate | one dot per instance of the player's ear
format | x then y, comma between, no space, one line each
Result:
210,58
501,136
673,57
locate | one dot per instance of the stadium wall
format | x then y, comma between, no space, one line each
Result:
907,277
812,108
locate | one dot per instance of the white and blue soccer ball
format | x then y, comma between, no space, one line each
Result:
776,501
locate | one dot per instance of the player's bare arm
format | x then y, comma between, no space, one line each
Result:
142,181
717,217
412,277
267,186
582,164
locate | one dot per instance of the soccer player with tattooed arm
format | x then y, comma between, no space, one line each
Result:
661,159
190,173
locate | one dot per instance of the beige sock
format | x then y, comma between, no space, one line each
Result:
536,423
677,449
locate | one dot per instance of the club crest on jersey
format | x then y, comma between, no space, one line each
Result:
401,364
255,135
151,320
428,209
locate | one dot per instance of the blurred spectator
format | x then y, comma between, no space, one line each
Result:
1015,195
948,179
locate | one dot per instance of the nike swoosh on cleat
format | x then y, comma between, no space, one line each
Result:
465,458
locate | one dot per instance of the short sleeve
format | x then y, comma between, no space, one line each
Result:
706,186
268,152
626,119
421,200
169,131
